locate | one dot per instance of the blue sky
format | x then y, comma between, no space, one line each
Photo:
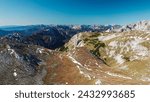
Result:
26,12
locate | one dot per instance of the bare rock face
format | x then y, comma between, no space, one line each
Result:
18,65
141,26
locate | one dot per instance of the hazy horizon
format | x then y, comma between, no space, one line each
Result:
78,12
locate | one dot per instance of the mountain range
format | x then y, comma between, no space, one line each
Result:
75,54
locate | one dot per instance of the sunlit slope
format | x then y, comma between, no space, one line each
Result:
128,52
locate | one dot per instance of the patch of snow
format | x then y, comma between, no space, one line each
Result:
108,30
108,37
147,38
98,82
98,65
74,60
46,29
140,38
113,44
76,27
111,53
134,57
131,37
85,74
15,74
119,59
116,75
60,56
78,66
81,72
39,50
124,67
50,50
12,52
88,69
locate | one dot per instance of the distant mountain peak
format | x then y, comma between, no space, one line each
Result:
140,25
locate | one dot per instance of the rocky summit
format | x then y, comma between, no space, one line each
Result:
75,54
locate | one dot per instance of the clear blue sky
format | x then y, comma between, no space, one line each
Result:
24,12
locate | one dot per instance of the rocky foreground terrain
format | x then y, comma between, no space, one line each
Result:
75,55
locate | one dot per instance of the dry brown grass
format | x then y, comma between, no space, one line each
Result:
61,70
